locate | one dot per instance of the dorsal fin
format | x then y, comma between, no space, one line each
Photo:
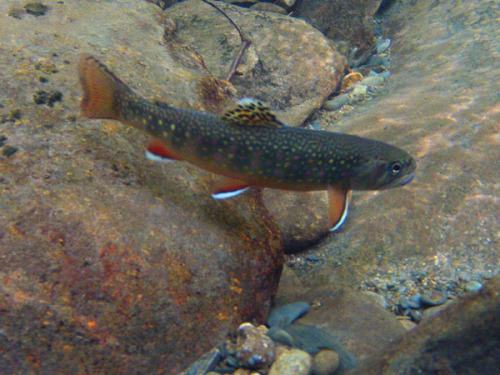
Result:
250,112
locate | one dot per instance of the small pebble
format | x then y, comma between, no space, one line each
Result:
379,61
312,258
385,74
403,303
383,45
416,315
350,80
241,371
292,362
316,125
408,324
473,286
373,83
336,103
254,348
9,151
378,299
433,298
358,94
414,301
326,362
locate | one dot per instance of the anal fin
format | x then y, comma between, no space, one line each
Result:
338,202
229,187
157,151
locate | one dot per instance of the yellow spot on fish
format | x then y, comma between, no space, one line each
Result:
172,127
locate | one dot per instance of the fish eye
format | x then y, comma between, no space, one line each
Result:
396,167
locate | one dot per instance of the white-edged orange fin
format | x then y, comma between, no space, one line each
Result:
338,207
251,112
229,187
158,152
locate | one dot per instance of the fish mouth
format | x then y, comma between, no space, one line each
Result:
406,180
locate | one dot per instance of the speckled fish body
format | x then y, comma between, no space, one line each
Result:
248,145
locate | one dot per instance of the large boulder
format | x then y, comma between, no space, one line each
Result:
111,263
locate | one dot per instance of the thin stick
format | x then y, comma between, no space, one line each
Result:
245,42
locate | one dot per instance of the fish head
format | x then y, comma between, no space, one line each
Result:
386,171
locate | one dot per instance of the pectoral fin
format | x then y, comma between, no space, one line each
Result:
158,152
338,201
228,188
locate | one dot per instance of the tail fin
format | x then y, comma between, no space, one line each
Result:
100,89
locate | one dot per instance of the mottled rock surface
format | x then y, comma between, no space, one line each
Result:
289,65
346,22
441,105
111,263
360,324
461,339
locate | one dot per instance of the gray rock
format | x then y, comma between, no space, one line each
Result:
280,336
358,94
433,298
461,339
336,103
385,74
473,286
205,363
373,83
283,316
352,324
378,298
382,45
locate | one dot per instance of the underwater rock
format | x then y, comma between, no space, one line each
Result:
283,316
299,230
350,80
292,362
352,324
268,7
326,362
112,263
254,348
446,117
343,20
461,339
292,79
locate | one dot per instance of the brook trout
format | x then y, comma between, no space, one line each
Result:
248,146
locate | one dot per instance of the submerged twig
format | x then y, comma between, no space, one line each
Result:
245,42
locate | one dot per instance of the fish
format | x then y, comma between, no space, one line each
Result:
247,145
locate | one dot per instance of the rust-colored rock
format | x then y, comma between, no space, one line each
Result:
112,264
